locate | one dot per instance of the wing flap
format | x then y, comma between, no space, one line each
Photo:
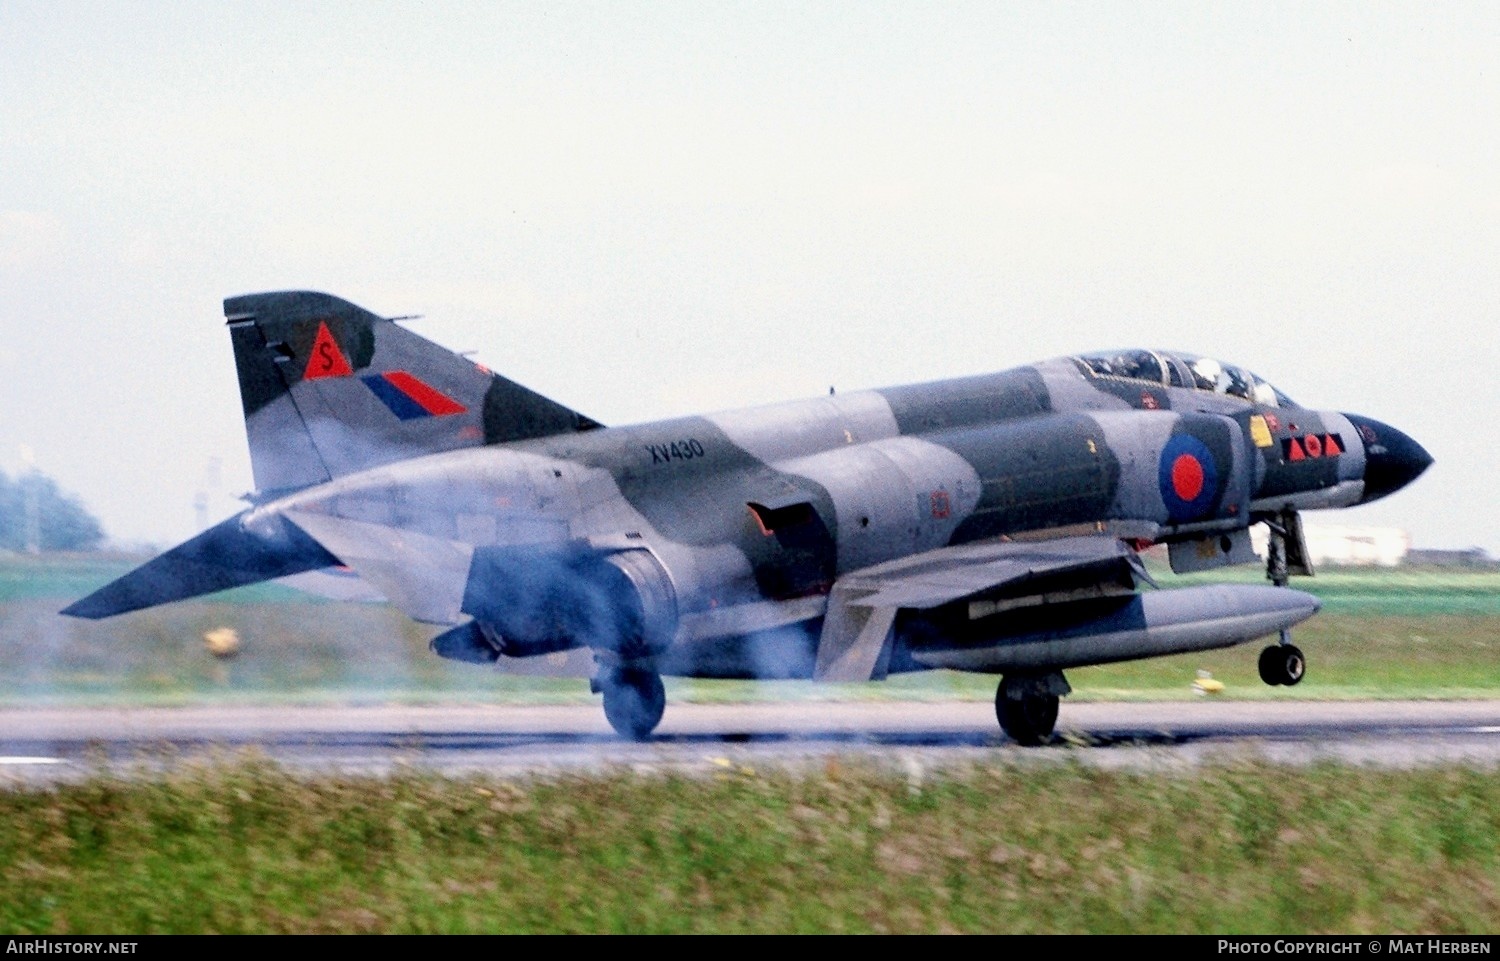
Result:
856,640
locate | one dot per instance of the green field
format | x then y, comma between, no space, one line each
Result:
1004,847
1382,634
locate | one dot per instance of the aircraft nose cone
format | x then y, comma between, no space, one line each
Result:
1392,459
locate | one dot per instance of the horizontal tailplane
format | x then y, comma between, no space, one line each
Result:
224,556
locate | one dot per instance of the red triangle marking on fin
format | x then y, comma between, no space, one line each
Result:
1297,452
1331,446
326,360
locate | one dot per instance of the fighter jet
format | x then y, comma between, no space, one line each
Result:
991,523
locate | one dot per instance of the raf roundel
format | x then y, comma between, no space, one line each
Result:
1188,478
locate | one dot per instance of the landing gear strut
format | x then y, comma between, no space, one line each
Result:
634,700
1026,706
1286,553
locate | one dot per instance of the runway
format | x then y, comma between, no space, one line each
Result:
51,744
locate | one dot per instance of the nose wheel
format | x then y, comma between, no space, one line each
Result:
1282,664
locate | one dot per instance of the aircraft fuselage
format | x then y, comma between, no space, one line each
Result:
986,523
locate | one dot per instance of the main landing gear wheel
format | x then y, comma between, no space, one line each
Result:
634,701
1026,714
1282,664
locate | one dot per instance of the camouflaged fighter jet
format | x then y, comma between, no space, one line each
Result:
988,523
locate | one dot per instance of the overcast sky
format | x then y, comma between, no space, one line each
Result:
646,210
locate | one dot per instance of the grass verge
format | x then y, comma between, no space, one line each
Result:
1010,847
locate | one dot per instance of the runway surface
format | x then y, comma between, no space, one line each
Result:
50,744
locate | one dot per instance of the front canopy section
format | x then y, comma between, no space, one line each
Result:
1173,369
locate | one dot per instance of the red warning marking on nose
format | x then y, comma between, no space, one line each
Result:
1331,446
1187,477
941,508
326,360
1314,445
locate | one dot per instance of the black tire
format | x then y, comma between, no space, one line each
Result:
1028,720
634,702
1282,664
1270,668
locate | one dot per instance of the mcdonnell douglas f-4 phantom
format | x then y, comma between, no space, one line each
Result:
987,524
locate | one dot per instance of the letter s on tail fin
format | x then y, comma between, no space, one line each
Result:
329,389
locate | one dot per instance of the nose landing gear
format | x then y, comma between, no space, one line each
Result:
1286,553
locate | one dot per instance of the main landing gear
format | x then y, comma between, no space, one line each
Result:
634,700
1026,706
1286,552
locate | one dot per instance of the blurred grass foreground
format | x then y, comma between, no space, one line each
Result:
1238,848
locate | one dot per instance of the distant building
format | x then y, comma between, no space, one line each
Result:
1338,545
1472,557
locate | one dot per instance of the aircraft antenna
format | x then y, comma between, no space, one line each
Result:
208,482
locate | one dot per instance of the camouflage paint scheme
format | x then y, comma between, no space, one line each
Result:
985,523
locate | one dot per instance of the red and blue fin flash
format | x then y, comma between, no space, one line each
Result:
409,398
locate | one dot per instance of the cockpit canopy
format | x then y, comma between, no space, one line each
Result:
1172,369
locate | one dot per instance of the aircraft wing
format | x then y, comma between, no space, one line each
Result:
863,605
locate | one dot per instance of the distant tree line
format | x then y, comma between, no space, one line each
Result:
33,506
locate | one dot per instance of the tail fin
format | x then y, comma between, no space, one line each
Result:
330,389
